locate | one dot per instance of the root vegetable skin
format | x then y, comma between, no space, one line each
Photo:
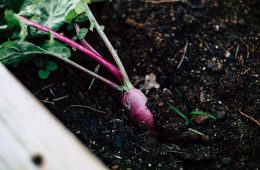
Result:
136,102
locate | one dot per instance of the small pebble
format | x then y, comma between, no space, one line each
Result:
216,27
227,54
114,167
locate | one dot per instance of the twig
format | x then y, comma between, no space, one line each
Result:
195,131
247,48
47,101
93,80
144,149
246,71
237,51
247,51
180,152
207,46
183,54
44,88
88,107
249,117
60,98
52,92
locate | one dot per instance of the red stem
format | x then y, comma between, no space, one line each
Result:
84,42
77,46
108,82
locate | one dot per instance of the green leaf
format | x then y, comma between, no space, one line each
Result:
51,66
180,113
82,33
195,131
78,9
43,74
13,52
57,49
13,21
75,38
50,13
92,25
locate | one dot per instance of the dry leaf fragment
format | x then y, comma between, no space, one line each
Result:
200,118
150,82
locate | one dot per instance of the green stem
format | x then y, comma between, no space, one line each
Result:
127,83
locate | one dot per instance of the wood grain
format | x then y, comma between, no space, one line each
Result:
31,138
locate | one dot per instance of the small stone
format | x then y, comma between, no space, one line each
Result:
167,35
216,27
114,167
160,104
205,138
227,54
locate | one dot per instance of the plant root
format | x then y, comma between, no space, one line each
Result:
249,117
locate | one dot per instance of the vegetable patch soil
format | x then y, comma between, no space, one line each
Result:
205,55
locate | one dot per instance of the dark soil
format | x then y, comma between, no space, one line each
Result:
219,75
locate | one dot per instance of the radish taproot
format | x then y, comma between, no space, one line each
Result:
136,103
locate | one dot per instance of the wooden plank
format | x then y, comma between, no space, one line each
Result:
30,136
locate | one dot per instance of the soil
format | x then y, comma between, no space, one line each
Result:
219,75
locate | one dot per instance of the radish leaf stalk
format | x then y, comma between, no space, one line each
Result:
84,42
93,20
75,45
13,52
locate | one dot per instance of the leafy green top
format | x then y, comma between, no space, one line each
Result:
52,14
